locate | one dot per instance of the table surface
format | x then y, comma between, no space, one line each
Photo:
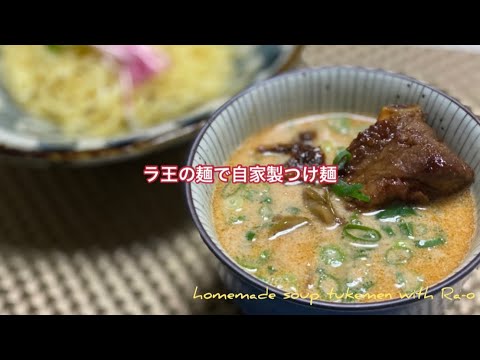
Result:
101,241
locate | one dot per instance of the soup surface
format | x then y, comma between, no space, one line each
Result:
376,255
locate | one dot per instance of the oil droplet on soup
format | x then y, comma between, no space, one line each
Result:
415,246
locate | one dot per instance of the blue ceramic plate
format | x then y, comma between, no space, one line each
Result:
25,137
316,91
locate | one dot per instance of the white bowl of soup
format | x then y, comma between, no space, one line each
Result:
396,234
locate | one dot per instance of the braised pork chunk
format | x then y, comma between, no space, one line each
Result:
401,158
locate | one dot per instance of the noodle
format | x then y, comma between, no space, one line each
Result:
80,91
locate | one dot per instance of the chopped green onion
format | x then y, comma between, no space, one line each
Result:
332,255
362,233
361,254
264,255
250,235
237,219
398,254
267,200
406,228
358,286
293,210
354,219
271,269
252,264
430,243
340,125
246,263
233,202
266,213
285,281
248,194
396,211
231,189
344,189
327,283
327,146
253,192
388,230
408,281
399,280
342,158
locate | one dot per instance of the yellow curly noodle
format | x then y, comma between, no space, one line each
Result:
80,91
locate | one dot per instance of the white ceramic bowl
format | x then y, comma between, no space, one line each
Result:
323,90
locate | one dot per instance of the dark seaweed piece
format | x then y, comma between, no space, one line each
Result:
301,153
305,155
277,149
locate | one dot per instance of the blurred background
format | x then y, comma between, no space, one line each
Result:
97,239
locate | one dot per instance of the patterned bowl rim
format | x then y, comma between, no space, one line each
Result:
259,284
